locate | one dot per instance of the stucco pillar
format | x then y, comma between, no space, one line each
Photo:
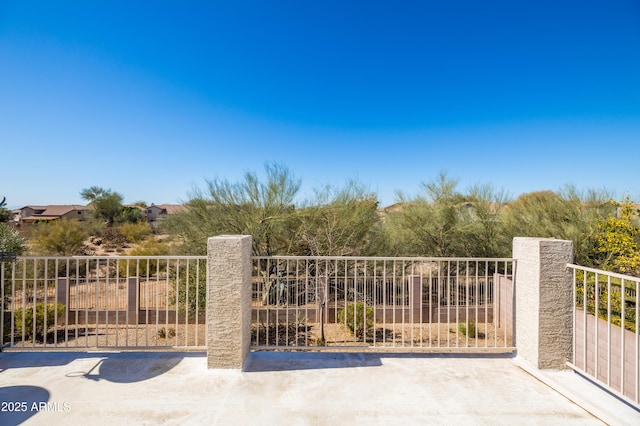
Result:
228,301
544,301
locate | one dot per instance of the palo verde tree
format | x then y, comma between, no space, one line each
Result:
567,215
260,207
338,222
59,238
445,222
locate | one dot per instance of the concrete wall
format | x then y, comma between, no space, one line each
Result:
544,301
503,289
617,357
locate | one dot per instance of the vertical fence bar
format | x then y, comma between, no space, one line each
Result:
13,303
584,315
97,302
503,307
485,301
146,303
449,302
33,301
118,302
597,315
457,303
422,296
466,304
404,298
107,291
440,297
197,301
364,300
186,304
167,302
476,306
2,305
46,299
384,301
637,340
575,313
285,302
430,284
623,325
306,304
24,300
608,330
177,300
491,298
76,298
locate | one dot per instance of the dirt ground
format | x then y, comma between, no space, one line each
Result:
427,336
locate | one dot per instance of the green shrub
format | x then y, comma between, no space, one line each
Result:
142,267
467,329
59,238
24,320
135,232
163,334
357,318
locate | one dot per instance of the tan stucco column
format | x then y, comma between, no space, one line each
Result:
228,301
544,301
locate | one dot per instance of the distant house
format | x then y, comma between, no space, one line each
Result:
33,214
157,213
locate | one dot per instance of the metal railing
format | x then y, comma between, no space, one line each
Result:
438,304
103,302
606,343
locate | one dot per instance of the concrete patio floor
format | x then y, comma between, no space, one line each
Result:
289,388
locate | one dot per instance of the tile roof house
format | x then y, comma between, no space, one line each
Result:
156,213
33,214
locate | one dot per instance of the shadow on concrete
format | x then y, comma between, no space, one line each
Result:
121,367
38,359
130,367
289,361
19,403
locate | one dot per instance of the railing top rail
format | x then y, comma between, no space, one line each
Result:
406,259
111,257
603,272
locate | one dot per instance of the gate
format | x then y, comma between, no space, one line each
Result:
369,303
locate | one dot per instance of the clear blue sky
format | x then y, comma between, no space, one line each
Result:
152,98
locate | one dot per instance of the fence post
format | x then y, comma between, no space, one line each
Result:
228,301
544,301
133,304
62,292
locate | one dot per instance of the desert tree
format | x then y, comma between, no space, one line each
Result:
107,204
428,224
567,214
338,222
262,207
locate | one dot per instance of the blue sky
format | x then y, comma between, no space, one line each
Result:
152,98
